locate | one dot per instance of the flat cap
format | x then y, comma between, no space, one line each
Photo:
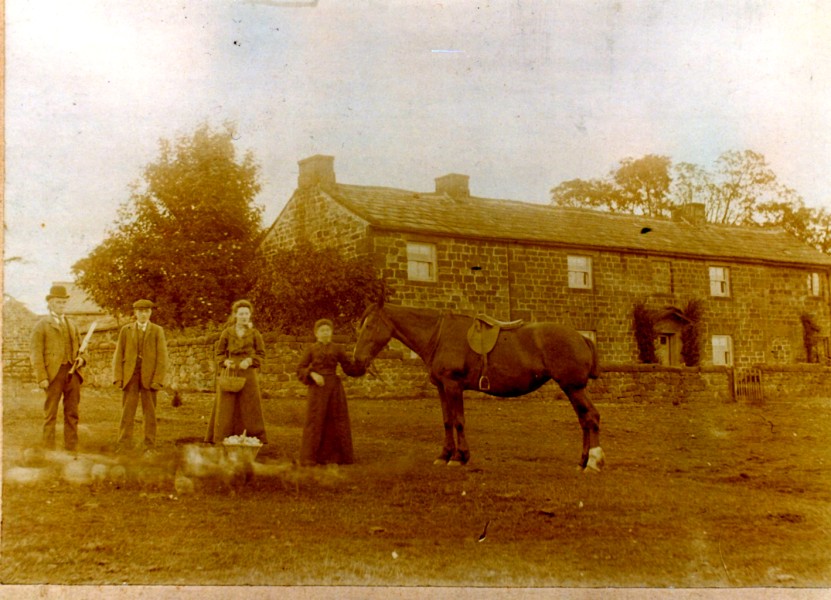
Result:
143,304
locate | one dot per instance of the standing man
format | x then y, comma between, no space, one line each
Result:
54,350
139,368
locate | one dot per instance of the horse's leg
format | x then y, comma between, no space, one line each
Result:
592,457
455,399
449,448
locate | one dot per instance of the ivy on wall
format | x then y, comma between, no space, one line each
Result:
810,331
691,334
644,324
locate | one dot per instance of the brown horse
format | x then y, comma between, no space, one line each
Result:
522,360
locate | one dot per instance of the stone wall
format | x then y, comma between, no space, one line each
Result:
400,376
18,324
312,216
761,314
192,368
796,381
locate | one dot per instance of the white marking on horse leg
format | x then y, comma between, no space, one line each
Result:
596,460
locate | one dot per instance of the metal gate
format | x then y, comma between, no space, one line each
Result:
747,385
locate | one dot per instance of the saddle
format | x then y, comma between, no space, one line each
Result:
482,337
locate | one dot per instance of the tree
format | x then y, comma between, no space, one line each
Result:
637,186
790,213
297,286
186,238
643,184
578,193
690,183
741,190
742,181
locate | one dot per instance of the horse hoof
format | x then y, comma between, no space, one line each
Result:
454,463
440,461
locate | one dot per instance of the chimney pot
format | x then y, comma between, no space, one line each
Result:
454,185
317,169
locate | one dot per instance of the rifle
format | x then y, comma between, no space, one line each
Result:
76,364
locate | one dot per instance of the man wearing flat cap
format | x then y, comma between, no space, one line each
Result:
139,368
54,349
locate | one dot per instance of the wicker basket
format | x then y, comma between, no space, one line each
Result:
228,382
241,452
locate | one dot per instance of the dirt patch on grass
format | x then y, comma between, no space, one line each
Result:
717,495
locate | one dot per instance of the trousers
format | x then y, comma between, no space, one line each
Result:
133,393
70,390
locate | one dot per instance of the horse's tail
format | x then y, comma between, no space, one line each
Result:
594,369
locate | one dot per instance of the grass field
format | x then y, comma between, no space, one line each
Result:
722,495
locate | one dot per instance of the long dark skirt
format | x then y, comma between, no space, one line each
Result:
237,412
327,435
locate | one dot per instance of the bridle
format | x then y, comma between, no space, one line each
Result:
432,343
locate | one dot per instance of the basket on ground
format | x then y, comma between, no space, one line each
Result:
241,447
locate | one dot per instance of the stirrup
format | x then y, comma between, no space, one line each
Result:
484,383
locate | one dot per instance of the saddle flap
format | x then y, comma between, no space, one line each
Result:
482,337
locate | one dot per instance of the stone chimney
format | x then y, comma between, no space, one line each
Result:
454,185
317,169
691,212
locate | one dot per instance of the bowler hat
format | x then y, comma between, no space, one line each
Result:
57,291
143,304
320,323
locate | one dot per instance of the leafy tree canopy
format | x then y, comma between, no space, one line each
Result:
296,287
741,189
187,236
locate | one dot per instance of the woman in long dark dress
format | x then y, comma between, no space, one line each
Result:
240,347
327,435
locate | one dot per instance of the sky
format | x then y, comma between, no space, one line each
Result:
520,96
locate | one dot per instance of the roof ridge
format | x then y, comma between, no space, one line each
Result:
544,223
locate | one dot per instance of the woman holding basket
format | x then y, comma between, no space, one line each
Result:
239,354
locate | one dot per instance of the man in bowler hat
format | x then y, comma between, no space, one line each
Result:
139,368
54,350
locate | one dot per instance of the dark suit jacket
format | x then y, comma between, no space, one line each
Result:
153,356
47,348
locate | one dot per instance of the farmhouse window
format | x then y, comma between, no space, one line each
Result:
588,334
421,261
719,281
580,272
814,288
723,350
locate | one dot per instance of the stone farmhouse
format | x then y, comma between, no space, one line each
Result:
449,250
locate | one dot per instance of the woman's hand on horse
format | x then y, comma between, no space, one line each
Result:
245,363
228,363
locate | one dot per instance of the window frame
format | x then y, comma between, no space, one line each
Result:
588,274
814,282
420,258
589,334
725,282
730,361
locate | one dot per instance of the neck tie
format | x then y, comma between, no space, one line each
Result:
140,341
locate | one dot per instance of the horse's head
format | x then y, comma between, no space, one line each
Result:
374,332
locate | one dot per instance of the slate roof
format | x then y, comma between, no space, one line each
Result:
510,220
79,303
